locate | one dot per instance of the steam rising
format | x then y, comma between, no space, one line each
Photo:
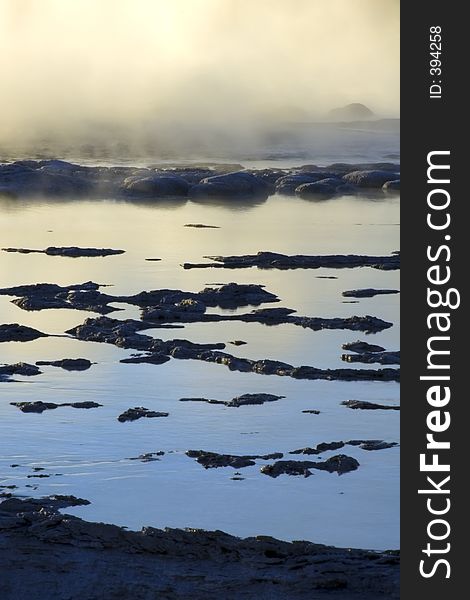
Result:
83,68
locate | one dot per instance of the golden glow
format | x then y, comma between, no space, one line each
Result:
67,62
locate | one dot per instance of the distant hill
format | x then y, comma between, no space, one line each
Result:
351,112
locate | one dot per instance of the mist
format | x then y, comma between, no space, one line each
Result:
189,71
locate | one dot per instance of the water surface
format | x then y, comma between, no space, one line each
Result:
87,451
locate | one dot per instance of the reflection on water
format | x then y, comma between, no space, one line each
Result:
87,452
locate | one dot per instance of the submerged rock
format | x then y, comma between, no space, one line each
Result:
362,404
138,412
13,332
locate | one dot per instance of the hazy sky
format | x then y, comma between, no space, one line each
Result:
65,62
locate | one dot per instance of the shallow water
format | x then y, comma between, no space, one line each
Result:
87,451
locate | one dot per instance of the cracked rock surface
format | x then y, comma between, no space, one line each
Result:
173,563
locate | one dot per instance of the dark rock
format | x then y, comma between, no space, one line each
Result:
306,372
84,404
148,456
201,226
372,444
243,400
71,251
288,184
272,260
384,358
321,190
323,447
368,324
138,412
238,343
186,310
153,259
75,252
336,464
57,501
362,347
288,467
212,460
113,331
154,359
234,295
40,407
84,296
363,444
207,400
46,289
240,184
36,179
156,186
271,367
160,305
124,334
253,399
369,178
367,293
361,404
311,412
125,562
12,332
230,295
69,364
18,369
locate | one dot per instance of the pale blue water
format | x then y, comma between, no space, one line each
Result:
89,450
